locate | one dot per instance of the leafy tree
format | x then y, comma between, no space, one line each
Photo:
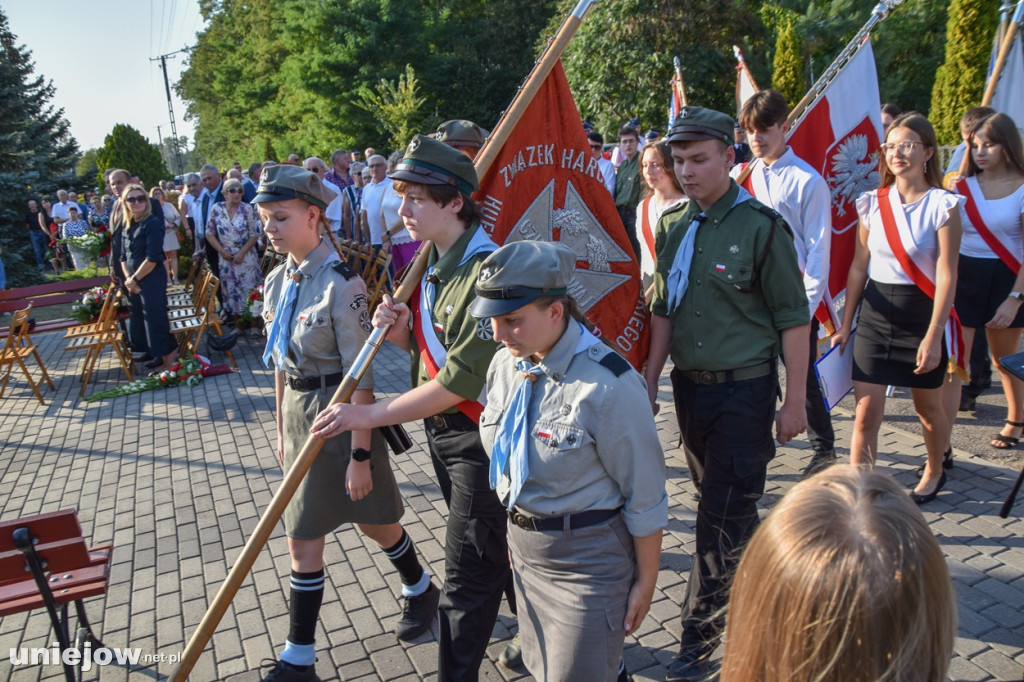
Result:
788,66
36,151
960,80
126,148
397,106
87,166
908,49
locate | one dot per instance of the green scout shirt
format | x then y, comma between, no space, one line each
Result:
627,184
468,342
716,326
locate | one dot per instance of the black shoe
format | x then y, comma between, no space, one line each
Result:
925,499
154,363
947,463
279,671
689,666
624,675
819,462
417,614
968,403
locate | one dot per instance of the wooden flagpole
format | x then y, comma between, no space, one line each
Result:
311,449
880,12
677,65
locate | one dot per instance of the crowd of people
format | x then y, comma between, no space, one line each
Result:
553,475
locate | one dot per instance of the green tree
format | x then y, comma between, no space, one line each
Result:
36,151
908,49
87,167
960,80
397,105
126,148
788,65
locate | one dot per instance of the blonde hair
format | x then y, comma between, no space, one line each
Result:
844,582
127,213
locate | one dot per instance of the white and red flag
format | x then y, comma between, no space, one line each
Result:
1008,97
839,136
545,185
746,86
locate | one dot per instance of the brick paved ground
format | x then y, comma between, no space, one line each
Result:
177,479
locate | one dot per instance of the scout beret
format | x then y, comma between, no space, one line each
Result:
697,123
283,182
461,133
430,162
652,135
519,273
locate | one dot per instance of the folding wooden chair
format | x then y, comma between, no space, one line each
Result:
92,327
17,348
106,334
193,286
190,301
190,329
193,274
378,279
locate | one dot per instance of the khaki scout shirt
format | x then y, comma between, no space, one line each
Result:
330,320
718,327
627,184
593,443
468,342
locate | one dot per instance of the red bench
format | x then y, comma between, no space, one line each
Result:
42,295
45,563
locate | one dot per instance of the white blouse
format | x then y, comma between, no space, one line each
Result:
1001,216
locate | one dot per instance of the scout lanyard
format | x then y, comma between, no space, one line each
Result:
432,351
920,271
999,243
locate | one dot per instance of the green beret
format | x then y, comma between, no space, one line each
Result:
461,133
283,182
696,123
519,273
430,162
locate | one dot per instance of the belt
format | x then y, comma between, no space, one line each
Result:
314,383
707,378
455,421
568,521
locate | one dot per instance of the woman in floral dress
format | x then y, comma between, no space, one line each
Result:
233,230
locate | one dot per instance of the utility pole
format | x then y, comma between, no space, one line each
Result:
160,144
170,105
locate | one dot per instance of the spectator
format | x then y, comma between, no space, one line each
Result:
315,164
59,212
368,152
396,238
76,226
843,582
172,219
351,202
188,205
373,195
606,167
293,160
233,231
661,193
627,183
38,235
339,174
99,216
211,195
889,113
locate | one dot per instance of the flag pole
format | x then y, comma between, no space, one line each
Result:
677,65
243,564
880,12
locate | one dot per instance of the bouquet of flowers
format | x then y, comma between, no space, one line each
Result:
103,230
92,244
188,371
88,309
253,306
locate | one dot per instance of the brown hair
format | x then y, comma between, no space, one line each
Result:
844,582
572,311
664,151
763,110
920,125
1000,129
442,195
973,116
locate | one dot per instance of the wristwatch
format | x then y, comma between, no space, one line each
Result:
1017,296
360,455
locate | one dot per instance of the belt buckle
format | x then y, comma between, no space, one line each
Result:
705,377
521,520
438,421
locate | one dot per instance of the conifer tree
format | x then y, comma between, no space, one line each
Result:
788,67
126,148
36,151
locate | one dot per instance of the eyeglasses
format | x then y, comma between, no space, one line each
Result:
904,147
376,165
136,199
234,190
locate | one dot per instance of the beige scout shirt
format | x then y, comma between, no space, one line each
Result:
330,320
593,443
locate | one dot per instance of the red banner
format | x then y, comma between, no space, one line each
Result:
545,185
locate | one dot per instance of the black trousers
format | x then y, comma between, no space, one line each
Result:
476,570
819,423
628,216
148,327
727,429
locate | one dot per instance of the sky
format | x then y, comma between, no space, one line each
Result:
97,55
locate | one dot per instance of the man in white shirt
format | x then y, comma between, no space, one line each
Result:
187,202
315,164
209,176
604,165
373,195
782,180
59,211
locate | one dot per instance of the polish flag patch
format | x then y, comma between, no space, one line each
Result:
438,327
541,433
719,267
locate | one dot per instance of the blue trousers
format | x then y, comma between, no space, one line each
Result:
148,327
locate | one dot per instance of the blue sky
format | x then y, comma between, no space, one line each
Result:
97,54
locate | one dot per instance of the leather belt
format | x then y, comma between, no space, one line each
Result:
708,378
582,519
455,421
314,383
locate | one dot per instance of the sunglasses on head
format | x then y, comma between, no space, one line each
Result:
136,199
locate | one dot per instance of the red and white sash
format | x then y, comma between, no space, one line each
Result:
920,270
976,208
755,183
645,226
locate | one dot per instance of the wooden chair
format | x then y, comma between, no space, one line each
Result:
378,279
92,327
106,334
190,329
198,264
45,563
17,348
190,301
193,286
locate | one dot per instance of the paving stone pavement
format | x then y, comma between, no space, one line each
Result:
177,479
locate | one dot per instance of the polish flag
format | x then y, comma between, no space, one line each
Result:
839,135
1008,97
746,86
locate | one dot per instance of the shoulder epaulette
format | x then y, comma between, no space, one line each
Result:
615,363
343,269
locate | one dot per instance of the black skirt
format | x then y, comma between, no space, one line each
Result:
893,321
982,285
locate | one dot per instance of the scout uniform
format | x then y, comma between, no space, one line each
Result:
455,350
744,288
628,184
595,476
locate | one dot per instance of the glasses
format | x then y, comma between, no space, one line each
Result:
234,190
376,165
904,147
136,199
596,146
